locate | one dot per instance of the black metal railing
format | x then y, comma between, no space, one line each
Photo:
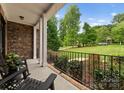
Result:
95,71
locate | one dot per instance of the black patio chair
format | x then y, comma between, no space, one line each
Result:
11,81
5,72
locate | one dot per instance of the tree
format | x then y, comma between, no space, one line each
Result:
62,31
89,34
118,18
82,39
118,32
52,38
71,23
86,28
103,33
91,37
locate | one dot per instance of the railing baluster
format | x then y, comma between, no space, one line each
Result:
119,72
99,62
104,65
81,69
85,68
89,70
93,71
111,68
87,64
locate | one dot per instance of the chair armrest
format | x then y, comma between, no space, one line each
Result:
23,63
3,81
49,83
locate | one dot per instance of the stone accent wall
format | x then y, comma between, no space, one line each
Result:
20,39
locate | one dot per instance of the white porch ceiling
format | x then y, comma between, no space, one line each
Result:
30,11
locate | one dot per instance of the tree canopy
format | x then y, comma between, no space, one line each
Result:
118,32
103,32
89,32
69,27
71,24
118,18
52,38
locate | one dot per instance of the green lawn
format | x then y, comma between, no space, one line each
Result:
117,50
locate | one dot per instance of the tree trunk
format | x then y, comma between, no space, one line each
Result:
83,44
120,43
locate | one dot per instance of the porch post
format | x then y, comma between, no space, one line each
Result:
44,40
41,42
34,43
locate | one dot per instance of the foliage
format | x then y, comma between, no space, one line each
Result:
79,39
118,32
62,31
71,23
52,38
103,33
118,18
69,26
91,37
12,60
74,68
61,62
108,79
88,36
87,30
98,74
82,39
71,67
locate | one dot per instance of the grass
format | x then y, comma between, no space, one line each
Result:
104,62
116,50
65,47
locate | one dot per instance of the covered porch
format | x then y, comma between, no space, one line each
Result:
41,73
25,33
26,29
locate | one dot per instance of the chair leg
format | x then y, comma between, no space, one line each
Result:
52,87
24,75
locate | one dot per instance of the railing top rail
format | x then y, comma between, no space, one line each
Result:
92,53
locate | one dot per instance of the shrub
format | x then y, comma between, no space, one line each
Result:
61,63
13,61
74,69
108,79
98,74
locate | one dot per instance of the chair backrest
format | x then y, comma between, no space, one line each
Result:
23,64
3,67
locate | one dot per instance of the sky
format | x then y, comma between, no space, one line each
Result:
94,13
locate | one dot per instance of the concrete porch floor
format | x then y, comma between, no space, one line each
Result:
41,73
